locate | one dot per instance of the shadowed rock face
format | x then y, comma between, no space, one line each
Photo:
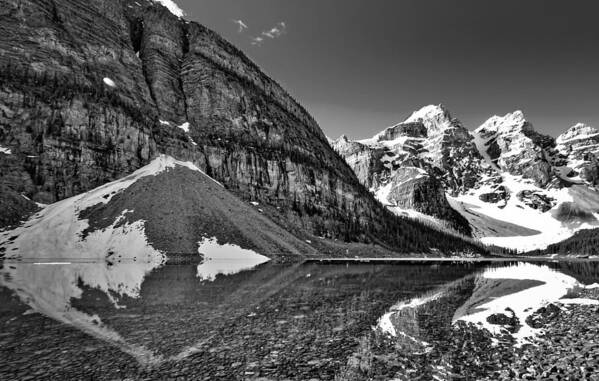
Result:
364,160
92,90
14,207
70,131
412,129
412,190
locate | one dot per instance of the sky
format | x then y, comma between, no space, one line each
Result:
359,66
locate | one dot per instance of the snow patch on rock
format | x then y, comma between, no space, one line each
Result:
518,213
56,231
185,127
172,7
109,82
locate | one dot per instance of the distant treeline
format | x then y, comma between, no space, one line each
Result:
583,242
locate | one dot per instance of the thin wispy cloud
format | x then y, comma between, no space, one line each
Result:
241,26
257,41
275,32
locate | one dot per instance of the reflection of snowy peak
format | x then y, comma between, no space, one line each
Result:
516,187
507,301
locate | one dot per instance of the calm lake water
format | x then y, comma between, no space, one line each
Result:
229,320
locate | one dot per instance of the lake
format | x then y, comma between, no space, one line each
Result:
313,321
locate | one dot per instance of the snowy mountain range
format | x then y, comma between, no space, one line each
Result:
503,182
175,110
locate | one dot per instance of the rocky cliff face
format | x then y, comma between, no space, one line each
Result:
503,177
413,164
579,147
513,146
363,159
93,90
111,84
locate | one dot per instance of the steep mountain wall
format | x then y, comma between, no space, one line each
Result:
92,90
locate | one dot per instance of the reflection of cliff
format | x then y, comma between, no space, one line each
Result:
403,324
414,336
50,289
584,271
305,315
414,324
106,300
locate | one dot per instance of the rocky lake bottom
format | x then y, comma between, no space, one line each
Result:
312,321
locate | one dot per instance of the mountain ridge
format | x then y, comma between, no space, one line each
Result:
490,175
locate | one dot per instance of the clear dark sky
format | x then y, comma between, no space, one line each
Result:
361,65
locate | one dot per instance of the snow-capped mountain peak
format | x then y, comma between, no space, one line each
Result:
507,180
578,132
410,165
434,117
579,147
343,144
496,123
511,145
430,121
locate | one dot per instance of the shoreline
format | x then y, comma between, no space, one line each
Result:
444,259
387,260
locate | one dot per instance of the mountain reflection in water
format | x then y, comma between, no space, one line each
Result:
297,321
501,294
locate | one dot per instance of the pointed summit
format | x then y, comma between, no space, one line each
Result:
503,123
434,117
